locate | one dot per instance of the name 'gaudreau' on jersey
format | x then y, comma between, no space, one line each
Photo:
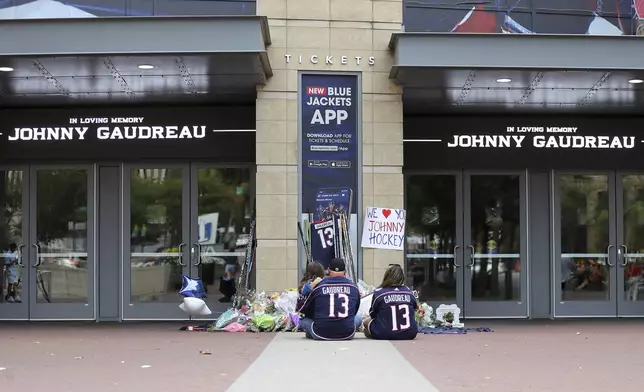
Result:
392,313
333,305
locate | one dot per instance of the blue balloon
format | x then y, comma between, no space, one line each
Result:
192,288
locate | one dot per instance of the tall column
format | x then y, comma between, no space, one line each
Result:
324,27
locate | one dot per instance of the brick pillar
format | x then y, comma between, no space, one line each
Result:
324,27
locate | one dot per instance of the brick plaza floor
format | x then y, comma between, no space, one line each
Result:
586,355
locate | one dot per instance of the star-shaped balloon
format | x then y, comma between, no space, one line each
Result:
192,288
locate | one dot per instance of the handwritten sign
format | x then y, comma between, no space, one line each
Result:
384,228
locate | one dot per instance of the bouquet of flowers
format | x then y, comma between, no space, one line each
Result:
424,315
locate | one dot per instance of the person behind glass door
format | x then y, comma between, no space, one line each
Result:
393,309
13,274
568,274
227,284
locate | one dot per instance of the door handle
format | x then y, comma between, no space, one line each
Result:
37,255
608,256
457,265
624,258
20,263
471,255
181,263
197,246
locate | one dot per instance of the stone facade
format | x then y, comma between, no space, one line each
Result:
324,27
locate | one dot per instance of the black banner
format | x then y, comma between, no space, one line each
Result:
476,142
212,133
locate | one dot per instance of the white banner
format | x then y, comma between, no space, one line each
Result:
384,228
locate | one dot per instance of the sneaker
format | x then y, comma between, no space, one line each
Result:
17,299
10,299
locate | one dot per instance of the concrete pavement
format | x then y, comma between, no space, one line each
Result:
358,365
520,356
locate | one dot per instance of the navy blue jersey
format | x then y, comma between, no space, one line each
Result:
333,305
393,314
323,236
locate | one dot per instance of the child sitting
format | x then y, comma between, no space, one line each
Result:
312,276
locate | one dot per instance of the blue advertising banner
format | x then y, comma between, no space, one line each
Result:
329,125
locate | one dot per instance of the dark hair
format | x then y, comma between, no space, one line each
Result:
313,270
13,247
394,276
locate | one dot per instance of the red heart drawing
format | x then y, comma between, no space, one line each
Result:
386,213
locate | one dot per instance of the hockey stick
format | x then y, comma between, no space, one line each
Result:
242,281
307,250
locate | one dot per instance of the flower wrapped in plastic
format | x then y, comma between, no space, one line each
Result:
286,302
235,327
295,320
260,303
244,319
280,322
262,323
365,305
424,315
364,288
228,317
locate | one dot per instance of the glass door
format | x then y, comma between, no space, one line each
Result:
585,238
435,237
190,219
496,245
14,274
156,238
630,245
220,221
61,232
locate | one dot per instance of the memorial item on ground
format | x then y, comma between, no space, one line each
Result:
192,288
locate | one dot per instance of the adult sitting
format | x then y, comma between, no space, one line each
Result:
393,309
330,311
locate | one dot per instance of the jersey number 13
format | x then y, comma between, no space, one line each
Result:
342,304
404,322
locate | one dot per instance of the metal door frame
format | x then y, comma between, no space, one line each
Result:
458,256
20,311
497,309
624,308
583,309
195,251
64,311
151,311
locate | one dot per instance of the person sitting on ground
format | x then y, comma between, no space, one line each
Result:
331,310
393,309
312,276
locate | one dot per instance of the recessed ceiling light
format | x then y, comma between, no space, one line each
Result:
636,81
146,66
6,69
504,80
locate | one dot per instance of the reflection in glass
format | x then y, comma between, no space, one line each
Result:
61,235
496,227
633,188
431,236
585,275
156,231
10,236
224,220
